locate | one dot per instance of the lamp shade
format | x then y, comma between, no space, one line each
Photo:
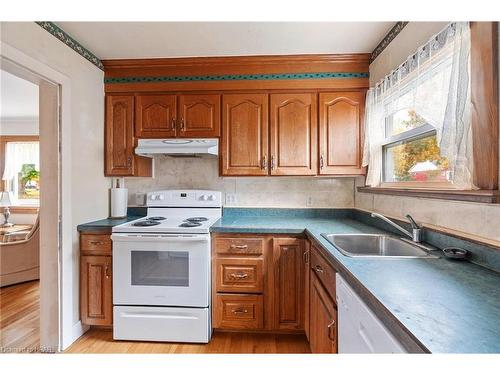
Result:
5,199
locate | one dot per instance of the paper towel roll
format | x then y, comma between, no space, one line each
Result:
119,198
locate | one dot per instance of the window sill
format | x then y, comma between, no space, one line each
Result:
477,196
24,209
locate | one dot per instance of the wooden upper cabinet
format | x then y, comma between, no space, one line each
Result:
244,135
155,116
199,116
288,254
119,143
294,127
341,132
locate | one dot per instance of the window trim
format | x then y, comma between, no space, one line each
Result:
4,139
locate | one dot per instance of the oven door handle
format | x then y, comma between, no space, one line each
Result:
159,238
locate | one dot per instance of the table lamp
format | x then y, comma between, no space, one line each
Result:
6,201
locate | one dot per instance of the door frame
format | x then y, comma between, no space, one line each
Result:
56,309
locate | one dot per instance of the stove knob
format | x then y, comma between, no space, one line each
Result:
204,197
160,197
154,197
211,198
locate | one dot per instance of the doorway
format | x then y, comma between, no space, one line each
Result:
30,188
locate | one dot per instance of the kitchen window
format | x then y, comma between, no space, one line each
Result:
21,172
418,118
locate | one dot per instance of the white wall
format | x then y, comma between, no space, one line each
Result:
481,220
89,194
18,126
203,173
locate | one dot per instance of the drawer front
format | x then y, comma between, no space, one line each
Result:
239,311
324,272
95,244
239,275
239,246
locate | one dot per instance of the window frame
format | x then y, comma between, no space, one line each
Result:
4,139
419,132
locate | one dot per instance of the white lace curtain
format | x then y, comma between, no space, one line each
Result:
435,82
16,155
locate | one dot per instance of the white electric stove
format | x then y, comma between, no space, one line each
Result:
161,268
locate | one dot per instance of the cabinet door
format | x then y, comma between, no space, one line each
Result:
199,116
323,319
119,142
155,116
288,279
96,300
244,135
340,132
294,134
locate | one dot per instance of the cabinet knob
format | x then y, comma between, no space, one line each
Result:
318,269
321,162
129,161
182,124
172,124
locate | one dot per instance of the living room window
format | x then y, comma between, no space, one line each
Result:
21,173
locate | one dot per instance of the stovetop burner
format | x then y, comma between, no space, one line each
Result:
156,218
146,223
196,219
190,224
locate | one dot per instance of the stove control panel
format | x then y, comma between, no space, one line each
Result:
184,198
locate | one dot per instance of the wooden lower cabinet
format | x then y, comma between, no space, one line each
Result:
322,317
96,280
258,282
288,267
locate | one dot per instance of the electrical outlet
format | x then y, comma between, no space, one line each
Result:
309,201
230,199
140,199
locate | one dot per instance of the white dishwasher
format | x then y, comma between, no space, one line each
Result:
359,330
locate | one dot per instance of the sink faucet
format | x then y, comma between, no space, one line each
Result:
416,231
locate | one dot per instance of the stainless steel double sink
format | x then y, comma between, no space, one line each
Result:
377,245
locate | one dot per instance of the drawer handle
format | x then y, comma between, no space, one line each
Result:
239,276
239,247
96,242
318,269
331,328
239,311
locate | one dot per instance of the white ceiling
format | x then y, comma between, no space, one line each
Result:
19,98
118,40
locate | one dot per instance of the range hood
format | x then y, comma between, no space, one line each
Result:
178,147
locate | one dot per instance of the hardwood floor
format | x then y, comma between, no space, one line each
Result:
19,318
101,341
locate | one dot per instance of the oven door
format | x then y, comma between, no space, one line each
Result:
161,269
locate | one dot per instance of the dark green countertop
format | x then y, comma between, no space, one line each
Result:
104,225
431,305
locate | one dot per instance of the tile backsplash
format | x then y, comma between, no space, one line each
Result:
203,173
